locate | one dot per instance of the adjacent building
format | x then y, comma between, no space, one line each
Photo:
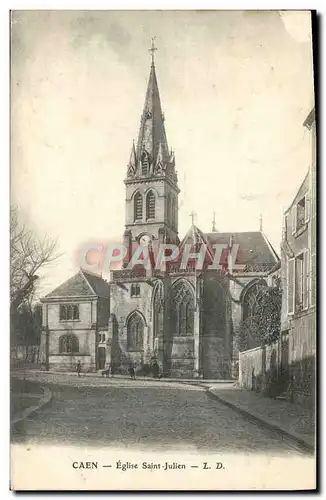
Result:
75,324
298,270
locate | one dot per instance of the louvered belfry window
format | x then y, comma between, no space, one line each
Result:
138,207
150,205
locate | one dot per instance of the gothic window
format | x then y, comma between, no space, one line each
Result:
182,309
68,344
144,163
135,290
69,312
135,332
138,207
150,205
251,300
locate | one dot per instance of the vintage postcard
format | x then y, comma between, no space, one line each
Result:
163,250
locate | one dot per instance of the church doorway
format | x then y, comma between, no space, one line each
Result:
101,357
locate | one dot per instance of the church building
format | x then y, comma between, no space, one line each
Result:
185,318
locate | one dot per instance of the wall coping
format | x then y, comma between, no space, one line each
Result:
252,350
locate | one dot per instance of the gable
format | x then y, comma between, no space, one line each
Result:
302,191
75,286
82,284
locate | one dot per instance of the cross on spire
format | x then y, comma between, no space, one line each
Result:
192,215
214,222
152,49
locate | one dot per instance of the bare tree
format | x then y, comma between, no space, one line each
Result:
28,254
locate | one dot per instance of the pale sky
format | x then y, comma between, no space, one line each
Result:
235,89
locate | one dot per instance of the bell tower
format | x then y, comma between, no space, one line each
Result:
151,182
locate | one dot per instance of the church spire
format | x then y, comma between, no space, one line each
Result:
152,153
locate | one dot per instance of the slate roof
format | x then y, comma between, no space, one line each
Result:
254,247
83,284
99,285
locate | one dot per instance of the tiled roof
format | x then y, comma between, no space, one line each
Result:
83,284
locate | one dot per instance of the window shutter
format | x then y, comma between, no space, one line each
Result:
294,219
307,207
313,280
306,279
290,284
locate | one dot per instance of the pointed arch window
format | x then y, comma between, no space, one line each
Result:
135,332
182,310
138,207
251,299
69,312
150,205
68,344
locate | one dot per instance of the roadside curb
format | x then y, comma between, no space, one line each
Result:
46,398
292,436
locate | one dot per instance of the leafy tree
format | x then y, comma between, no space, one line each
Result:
269,313
262,327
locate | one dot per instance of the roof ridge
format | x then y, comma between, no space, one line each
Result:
270,246
88,283
91,273
62,283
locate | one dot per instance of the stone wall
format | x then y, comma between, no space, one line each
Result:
87,315
122,306
182,357
302,355
84,329
259,367
87,342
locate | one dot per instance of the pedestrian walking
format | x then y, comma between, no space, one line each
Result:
155,369
131,371
78,367
112,369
